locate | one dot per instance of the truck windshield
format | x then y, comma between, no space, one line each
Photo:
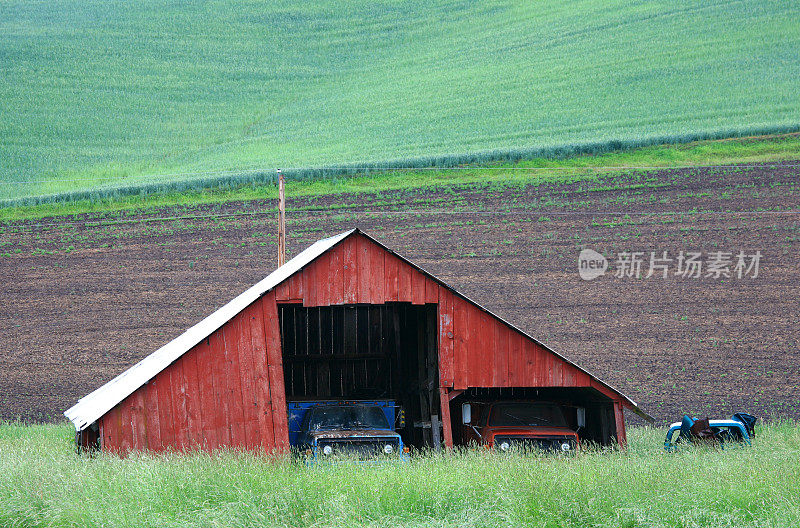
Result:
346,417
527,414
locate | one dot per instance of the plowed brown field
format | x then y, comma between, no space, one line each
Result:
85,297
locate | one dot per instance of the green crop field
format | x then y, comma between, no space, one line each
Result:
103,95
43,483
767,150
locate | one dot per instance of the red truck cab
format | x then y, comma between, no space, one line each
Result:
507,425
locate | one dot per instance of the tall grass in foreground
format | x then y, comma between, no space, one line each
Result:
43,483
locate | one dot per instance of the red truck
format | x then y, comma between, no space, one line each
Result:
506,425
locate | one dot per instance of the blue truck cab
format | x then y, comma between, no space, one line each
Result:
354,428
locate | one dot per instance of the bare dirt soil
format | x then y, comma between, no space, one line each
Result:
85,297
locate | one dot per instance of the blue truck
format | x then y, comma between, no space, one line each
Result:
362,429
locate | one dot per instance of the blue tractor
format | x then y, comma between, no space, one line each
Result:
738,430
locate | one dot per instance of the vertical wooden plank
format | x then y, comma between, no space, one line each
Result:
537,364
377,274
336,281
431,291
417,287
222,430
447,425
502,335
619,422
567,375
483,366
295,286
461,331
205,376
516,361
165,417
261,377
282,291
117,428
532,365
473,346
350,270
556,369
246,377
322,266
391,277
126,427
512,358
303,276
194,426
105,437
275,371
152,425
179,408
112,430
138,421
364,269
309,286
446,338
404,282
545,360
486,350
230,337
104,440
550,362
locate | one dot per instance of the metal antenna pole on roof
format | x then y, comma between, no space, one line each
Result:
281,220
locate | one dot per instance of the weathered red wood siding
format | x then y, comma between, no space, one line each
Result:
228,390
475,348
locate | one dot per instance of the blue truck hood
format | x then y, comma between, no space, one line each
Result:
352,434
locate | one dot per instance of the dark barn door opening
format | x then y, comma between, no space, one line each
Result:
365,352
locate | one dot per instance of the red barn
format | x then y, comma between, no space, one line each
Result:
345,319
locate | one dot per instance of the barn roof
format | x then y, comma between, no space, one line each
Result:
94,405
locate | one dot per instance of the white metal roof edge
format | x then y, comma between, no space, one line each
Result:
94,405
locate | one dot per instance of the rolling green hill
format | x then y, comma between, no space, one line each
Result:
101,94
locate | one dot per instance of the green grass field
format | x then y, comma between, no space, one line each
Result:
44,484
105,95
536,171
